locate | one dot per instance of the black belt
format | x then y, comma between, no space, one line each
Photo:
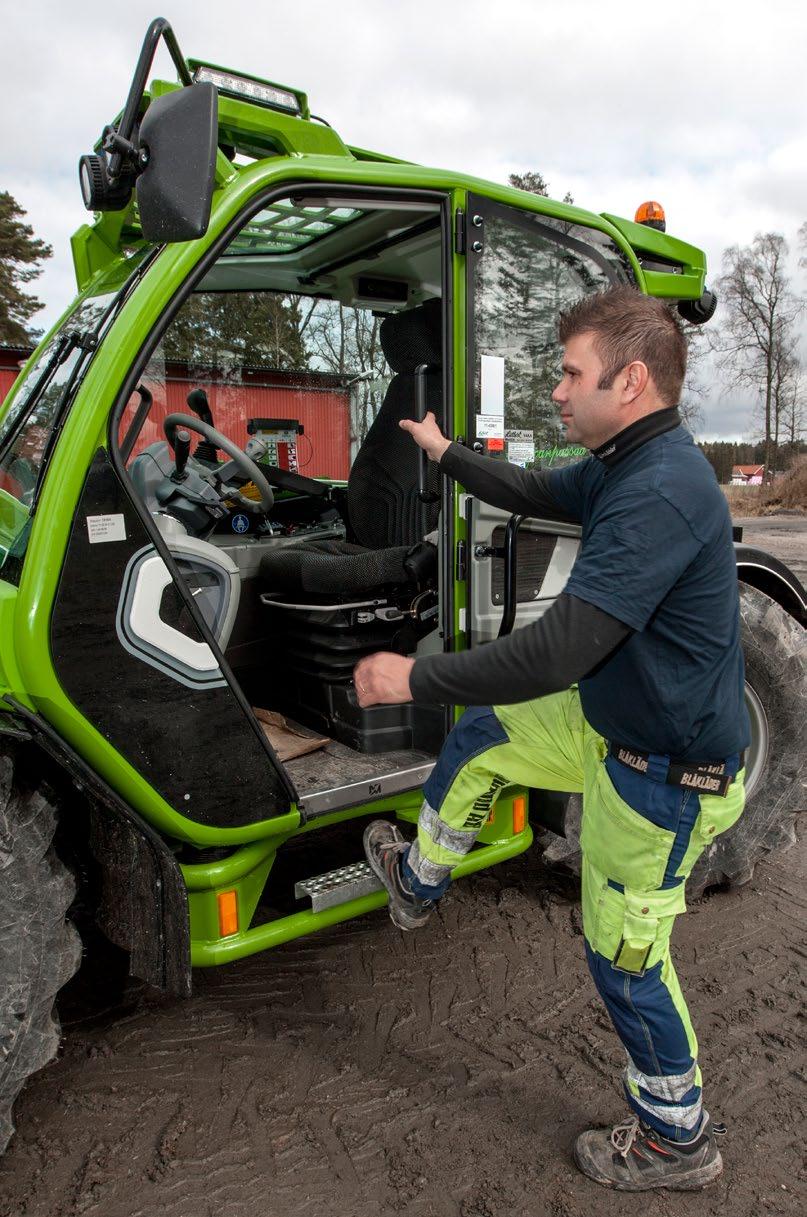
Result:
704,778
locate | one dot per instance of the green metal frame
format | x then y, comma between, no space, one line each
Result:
292,150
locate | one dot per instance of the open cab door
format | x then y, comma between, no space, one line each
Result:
523,269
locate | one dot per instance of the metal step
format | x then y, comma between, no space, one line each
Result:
338,886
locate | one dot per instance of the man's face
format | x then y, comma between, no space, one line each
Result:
590,415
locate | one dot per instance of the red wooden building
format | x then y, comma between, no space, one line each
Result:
319,401
11,360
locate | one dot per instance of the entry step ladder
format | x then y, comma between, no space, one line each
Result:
338,886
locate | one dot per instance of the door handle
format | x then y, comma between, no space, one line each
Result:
510,555
424,494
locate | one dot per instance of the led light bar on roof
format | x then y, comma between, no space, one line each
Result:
246,89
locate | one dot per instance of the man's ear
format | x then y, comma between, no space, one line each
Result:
636,378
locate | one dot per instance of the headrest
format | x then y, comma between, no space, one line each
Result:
413,337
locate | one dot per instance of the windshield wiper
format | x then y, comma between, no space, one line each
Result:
68,341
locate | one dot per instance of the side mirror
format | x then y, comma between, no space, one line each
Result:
179,136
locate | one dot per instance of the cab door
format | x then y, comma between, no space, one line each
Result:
523,269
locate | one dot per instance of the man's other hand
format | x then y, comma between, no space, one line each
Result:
427,435
382,678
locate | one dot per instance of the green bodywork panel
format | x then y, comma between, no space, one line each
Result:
688,279
292,150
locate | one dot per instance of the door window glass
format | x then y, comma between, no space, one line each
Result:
530,270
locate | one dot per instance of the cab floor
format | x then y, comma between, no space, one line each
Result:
337,765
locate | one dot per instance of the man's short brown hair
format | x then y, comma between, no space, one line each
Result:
627,326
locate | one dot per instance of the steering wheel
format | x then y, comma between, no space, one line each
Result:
238,457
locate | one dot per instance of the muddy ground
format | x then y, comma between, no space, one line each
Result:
367,1073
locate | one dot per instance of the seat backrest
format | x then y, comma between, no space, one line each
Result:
382,502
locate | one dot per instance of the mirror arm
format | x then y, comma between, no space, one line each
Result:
159,28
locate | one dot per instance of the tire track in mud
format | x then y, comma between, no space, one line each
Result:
440,1074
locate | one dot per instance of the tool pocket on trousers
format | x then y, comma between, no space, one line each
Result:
647,920
620,842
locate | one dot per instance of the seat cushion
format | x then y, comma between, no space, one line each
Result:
334,567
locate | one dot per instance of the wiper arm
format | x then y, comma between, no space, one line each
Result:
68,341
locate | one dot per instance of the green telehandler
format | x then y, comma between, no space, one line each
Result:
208,514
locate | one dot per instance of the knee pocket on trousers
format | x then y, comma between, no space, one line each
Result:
646,927
632,928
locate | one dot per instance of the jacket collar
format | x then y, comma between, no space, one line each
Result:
619,446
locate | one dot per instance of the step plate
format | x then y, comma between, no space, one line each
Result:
338,886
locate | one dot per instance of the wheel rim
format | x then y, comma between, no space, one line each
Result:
757,755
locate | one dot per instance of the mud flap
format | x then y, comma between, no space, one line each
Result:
144,901
144,905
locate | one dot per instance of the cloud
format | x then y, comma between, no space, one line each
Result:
615,103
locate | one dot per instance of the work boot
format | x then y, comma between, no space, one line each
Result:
385,848
634,1158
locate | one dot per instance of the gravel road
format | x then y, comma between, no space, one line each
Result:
783,536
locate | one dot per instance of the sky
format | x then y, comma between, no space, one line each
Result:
700,105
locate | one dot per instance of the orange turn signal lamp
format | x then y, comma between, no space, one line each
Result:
228,913
652,214
519,813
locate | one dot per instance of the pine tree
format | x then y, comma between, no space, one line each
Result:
20,255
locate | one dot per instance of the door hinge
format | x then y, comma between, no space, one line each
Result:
459,231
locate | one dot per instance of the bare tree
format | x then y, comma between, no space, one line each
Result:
693,391
345,341
758,333
794,410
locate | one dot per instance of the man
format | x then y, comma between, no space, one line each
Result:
647,629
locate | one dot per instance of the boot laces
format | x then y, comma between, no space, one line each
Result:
624,1134
393,847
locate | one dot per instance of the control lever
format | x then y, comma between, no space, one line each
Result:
197,400
424,494
206,452
182,450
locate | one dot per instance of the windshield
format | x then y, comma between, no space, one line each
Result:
28,423
31,416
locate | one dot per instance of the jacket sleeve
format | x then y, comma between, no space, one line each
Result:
551,654
526,491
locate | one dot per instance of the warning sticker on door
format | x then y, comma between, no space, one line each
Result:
489,426
106,528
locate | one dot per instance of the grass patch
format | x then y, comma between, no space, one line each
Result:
788,493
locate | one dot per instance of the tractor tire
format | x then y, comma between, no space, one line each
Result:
39,949
775,650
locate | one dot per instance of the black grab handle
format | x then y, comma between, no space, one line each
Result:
424,494
510,555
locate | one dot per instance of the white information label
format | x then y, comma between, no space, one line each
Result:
519,437
106,528
520,454
490,426
492,385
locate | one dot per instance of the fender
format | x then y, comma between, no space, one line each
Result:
769,575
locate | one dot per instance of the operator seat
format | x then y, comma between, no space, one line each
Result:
387,521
